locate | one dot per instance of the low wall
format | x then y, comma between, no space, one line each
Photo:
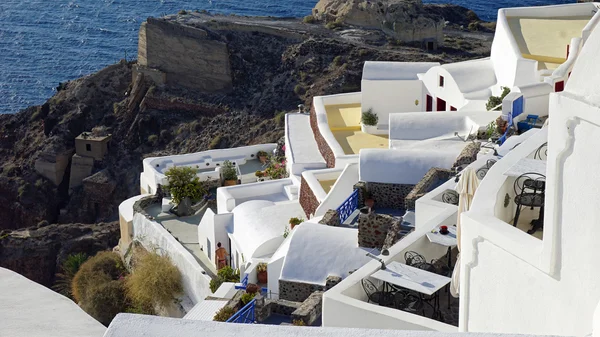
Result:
154,237
308,201
431,178
226,196
324,148
297,291
341,190
389,195
373,230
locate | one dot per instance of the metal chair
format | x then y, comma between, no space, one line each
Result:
375,295
408,301
450,197
530,192
484,170
542,152
412,258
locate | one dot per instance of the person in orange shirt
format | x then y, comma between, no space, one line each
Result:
221,256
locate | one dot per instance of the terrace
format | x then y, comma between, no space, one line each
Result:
344,122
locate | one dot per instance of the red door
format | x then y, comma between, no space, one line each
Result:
441,105
429,103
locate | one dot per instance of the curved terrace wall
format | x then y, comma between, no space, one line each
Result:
155,167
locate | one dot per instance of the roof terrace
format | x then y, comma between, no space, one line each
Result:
344,122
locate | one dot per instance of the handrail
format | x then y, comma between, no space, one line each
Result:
348,206
245,315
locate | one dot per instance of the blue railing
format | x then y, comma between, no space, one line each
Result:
245,315
244,285
348,206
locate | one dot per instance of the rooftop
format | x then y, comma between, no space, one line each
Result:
30,309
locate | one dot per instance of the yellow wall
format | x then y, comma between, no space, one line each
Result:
343,116
546,39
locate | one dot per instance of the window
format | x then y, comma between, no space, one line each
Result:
452,108
559,86
441,105
442,81
429,103
88,147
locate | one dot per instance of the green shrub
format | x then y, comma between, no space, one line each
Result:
296,221
298,322
280,118
338,61
183,182
105,300
102,268
215,142
246,298
224,314
68,269
155,281
226,274
369,118
152,139
299,89
309,19
494,102
334,24
228,170
474,26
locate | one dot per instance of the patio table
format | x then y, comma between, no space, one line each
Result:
526,165
412,278
446,240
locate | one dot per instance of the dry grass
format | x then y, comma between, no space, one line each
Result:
224,314
102,268
105,300
155,280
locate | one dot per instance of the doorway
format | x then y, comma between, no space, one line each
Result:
440,105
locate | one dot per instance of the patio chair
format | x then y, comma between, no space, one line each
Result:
426,266
377,296
450,197
484,170
412,258
408,301
441,266
530,192
542,152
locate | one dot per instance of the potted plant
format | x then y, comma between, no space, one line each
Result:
261,273
229,173
368,122
262,156
295,222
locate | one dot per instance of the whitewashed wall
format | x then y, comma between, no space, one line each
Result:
449,92
226,196
214,227
341,190
390,96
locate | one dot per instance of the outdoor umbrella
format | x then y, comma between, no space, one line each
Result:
467,184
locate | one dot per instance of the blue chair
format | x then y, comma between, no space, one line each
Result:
528,123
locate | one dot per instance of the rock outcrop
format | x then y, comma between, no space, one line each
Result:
36,253
404,20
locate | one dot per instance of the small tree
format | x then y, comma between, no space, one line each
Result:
225,274
183,182
495,102
228,171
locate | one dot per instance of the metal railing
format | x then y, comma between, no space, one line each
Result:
348,206
245,315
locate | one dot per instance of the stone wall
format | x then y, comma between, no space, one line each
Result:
430,179
310,310
324,148
373,229
189,57
393,234
389,195
467,155
296,291
331,218
307,199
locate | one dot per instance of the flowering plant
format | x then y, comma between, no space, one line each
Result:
276,169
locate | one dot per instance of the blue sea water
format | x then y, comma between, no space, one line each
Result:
45,42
